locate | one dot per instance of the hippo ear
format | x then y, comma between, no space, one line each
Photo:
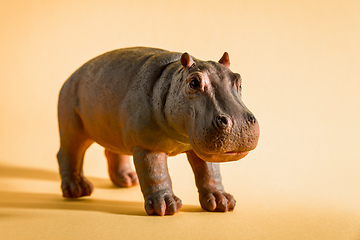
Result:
186,60
225,60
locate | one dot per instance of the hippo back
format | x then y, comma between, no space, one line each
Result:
116,88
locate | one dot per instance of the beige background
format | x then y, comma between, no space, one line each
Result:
300,64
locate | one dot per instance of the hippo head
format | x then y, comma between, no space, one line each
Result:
219,126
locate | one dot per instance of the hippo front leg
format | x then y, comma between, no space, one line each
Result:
155,182
208,181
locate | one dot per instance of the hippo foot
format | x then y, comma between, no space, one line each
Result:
75,187
161,203
124,178
217,201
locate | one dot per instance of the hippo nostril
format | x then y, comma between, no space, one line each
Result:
251,118
222,122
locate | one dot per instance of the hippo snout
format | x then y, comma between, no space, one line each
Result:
228,138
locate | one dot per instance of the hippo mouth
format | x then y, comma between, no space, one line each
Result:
219,156
232,153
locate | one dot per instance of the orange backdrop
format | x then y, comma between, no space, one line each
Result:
300,64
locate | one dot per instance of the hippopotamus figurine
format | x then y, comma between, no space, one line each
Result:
151,103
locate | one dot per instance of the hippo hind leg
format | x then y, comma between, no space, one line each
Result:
73,144
120,171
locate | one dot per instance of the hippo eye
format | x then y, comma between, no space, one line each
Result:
195,84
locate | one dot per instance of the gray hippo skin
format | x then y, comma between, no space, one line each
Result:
151,104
